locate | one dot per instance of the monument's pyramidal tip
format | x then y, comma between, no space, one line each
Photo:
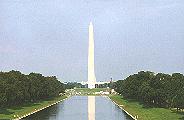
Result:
91,23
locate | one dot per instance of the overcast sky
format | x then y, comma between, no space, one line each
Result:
51,37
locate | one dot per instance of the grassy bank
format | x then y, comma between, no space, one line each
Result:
88,90
8,113
144,113
85,91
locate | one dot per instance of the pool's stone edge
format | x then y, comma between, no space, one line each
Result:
122,109
26,115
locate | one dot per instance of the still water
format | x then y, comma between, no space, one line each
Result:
82,108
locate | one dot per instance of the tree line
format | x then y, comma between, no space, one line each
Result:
158,90
72,85
17,88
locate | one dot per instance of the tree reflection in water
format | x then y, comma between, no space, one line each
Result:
46,114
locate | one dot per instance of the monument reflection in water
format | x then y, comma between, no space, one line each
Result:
82,108
91,107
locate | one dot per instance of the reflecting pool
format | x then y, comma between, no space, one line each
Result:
82,108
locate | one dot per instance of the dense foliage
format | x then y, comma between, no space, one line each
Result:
17,88
160,90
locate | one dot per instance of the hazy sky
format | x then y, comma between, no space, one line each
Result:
51,37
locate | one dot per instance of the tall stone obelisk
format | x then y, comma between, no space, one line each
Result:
91,67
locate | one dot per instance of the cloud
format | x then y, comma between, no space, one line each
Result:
7,49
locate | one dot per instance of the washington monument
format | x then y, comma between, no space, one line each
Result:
91,68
